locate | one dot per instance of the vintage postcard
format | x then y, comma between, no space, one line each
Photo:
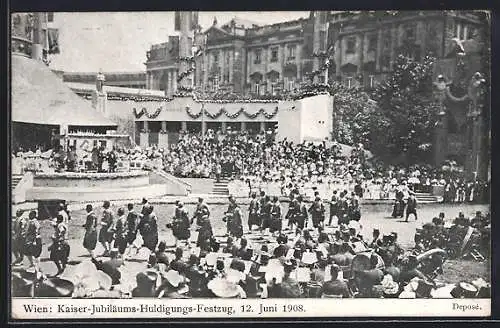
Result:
250,164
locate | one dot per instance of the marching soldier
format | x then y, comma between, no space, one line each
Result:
253,212
275,215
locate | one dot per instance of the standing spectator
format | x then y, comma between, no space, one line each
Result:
19,236
59,250
120,231
90,238
33,241
148,227
106,233
132,223
71,159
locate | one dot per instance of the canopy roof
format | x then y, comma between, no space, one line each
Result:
39,96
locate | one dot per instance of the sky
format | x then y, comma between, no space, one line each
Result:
118,41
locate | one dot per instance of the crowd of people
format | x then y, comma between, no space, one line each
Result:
300,253
253,162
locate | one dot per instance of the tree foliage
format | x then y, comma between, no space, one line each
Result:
406,102
397,119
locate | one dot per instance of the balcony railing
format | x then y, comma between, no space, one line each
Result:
21,46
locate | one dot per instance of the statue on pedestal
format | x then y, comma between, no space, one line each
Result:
100,81
474,92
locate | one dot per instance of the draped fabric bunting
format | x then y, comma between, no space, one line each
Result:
232,115
458,99
144,111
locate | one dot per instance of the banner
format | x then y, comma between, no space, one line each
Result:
53,37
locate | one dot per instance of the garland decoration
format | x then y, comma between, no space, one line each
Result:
191,59
261,111
144,111
137,98
457,99
182,75
329,59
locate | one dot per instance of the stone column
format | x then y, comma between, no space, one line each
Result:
361,53
203,128
243,126
422,34
394,44
174,85
338,56
169,83
379,50
144,136
183,125
205,69
223,127
262,126
163,136
316,42
231,65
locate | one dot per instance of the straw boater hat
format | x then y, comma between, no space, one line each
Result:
464,290
224,288
174,278
390,286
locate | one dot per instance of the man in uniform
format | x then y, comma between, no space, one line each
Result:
253,212
333,207
235,223
411,206
266,213
275,215
180,225
201,211
317,211
302,216
229,212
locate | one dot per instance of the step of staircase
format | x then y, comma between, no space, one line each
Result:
15,181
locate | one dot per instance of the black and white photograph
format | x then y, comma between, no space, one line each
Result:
257,164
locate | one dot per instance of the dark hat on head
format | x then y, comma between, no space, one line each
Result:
32,214
89,207
424,289
106,204
144,200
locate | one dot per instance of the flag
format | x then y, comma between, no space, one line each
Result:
177,21
53,38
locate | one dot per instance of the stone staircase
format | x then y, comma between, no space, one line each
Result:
423,197
220,188
16,178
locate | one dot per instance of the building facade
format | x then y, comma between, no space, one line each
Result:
245,58
136,80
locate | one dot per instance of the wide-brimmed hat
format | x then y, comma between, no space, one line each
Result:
390,286
464,290
174,278
224,288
